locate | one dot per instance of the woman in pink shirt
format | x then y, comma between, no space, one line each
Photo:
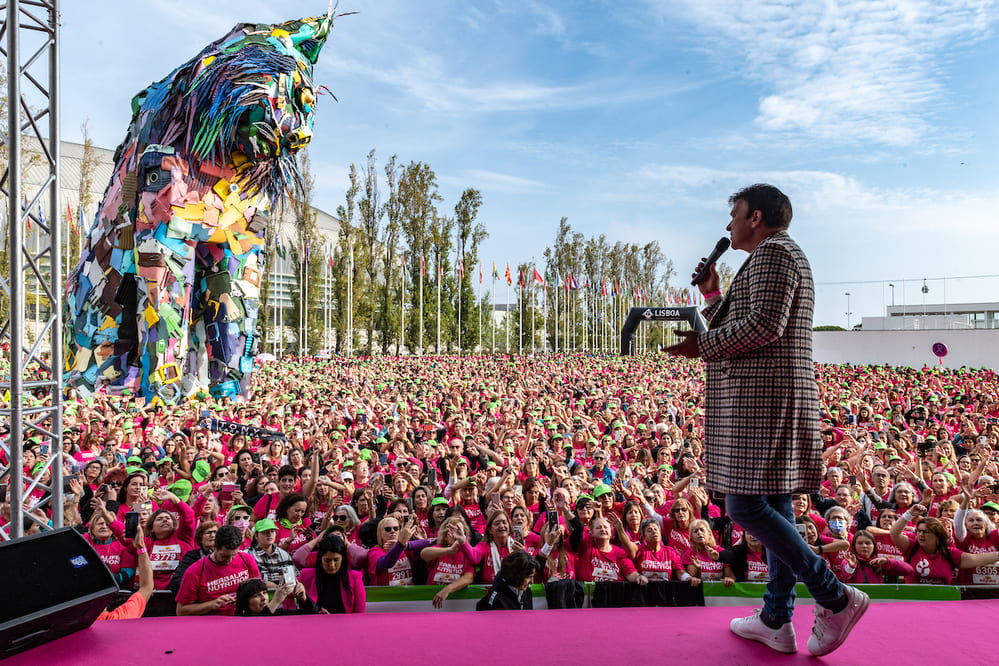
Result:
293,526
133,490
560,562
703,561
391,561
931,558
975,533
863,565
169,537
495,545
598,560
451,561
654,559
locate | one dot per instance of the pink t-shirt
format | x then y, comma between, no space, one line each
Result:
484,555
596,566
757,569
115,554
984,575
400,573
658,564
710,569
449,568
887,548
475,516
931,569
205,580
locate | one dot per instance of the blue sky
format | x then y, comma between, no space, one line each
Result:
638,119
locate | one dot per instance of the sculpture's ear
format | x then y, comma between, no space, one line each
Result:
308,35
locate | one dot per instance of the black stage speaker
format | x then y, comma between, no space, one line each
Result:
53,584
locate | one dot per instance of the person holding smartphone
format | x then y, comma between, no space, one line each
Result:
498,542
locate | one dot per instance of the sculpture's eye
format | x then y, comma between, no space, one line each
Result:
306,99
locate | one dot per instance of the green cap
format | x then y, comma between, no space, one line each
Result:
665,466
135,459
991,505
366,454
566,444
601,489
181,488
437,501
202,470
879,446
264,525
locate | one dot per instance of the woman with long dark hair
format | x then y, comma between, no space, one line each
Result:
332,585
252,601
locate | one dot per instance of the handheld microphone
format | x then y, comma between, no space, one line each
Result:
719,250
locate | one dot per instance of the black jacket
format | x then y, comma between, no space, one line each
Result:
502,597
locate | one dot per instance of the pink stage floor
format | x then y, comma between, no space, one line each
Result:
902,633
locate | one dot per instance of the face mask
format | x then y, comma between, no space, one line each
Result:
241,524
837,526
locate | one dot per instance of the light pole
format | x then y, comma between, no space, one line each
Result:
925,291
892,294
848,313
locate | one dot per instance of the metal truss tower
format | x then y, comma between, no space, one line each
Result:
32,404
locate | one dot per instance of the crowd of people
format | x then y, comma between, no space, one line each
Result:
448,471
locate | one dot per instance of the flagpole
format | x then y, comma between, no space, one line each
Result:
440,269
480,307
461,279
506,316
534,310
274,299
402,309
492,310
520,312
422,271
350,301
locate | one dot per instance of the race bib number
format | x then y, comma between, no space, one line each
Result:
985,575
165,557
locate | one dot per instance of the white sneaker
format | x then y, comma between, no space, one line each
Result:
831,629
752,627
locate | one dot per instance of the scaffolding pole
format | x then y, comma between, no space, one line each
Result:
32,92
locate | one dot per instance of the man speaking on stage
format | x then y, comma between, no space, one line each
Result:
762,416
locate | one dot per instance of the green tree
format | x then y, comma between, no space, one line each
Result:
470,235
418,197
392,289
307,257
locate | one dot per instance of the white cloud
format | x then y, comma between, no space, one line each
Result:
848,201
496,182
852,71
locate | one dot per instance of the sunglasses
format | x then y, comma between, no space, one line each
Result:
338,518
391,528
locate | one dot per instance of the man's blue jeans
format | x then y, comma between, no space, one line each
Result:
770,518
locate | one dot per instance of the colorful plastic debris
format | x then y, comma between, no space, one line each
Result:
165,298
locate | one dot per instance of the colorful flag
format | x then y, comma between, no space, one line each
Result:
24,207
72,222
461,269
440,269
537,277
520,279
281,252
495,272
480,272
509,279
423,266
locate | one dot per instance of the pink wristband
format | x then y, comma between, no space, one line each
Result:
140,551
711,294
